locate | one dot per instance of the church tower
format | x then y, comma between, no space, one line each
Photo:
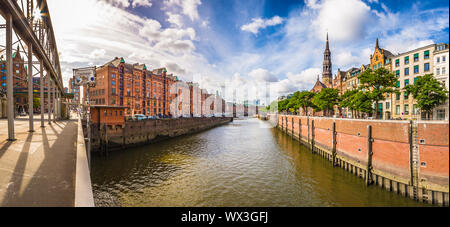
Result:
327,76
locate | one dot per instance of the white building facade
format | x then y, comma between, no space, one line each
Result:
440,72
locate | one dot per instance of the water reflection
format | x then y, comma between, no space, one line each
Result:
239,164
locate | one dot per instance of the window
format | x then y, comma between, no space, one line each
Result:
387,94
406,82
376,58
407,60
415,79
406,95
406,109
113,91
440,114
397,97
397,73
406,71
113,83
443,70
443,58
416,69
388,105
397,62
438,59
426,67
438,71
113,76
379,65
397,109
416,57
426,54
415,109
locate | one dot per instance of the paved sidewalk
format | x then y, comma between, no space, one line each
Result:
38,169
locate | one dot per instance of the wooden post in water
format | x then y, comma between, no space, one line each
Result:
307,122
312,136
292,127
334,143
369,155
299,130
286,121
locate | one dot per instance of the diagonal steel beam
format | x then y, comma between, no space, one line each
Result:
25,31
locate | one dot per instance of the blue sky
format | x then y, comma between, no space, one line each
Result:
235,43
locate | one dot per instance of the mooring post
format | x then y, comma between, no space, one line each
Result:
334,143
369,155
286,121
299,130
312,136
292,127
307,123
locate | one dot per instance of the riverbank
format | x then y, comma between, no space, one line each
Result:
407,158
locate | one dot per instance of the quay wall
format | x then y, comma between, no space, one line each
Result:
135,133
405,157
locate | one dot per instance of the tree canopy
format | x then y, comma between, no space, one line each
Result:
326,99
377,83
428,92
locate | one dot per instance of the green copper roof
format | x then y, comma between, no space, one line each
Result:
14,55
122,60
145,67
165,70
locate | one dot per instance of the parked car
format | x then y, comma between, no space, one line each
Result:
140,117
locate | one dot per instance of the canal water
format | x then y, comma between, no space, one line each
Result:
238,164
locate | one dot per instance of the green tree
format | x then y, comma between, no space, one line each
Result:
362,102
378,83
305,100
282,105
428,92
347,100
326,99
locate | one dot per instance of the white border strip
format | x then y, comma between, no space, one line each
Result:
84,196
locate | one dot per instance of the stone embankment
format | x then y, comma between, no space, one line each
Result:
410,158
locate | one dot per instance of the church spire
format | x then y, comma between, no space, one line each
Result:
377,46
327,76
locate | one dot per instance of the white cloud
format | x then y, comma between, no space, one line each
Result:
345,20
175,19
189,7
97,53
143,3
258,23
262,75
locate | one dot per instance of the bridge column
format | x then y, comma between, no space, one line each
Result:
54,100
42,93
49,101
30,88
9,79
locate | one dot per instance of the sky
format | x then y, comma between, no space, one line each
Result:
236,43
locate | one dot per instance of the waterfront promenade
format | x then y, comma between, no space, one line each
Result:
38,169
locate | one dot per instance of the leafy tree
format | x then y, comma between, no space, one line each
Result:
428,92
378,83
362,102
305,100
326,99
282,105
347,100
